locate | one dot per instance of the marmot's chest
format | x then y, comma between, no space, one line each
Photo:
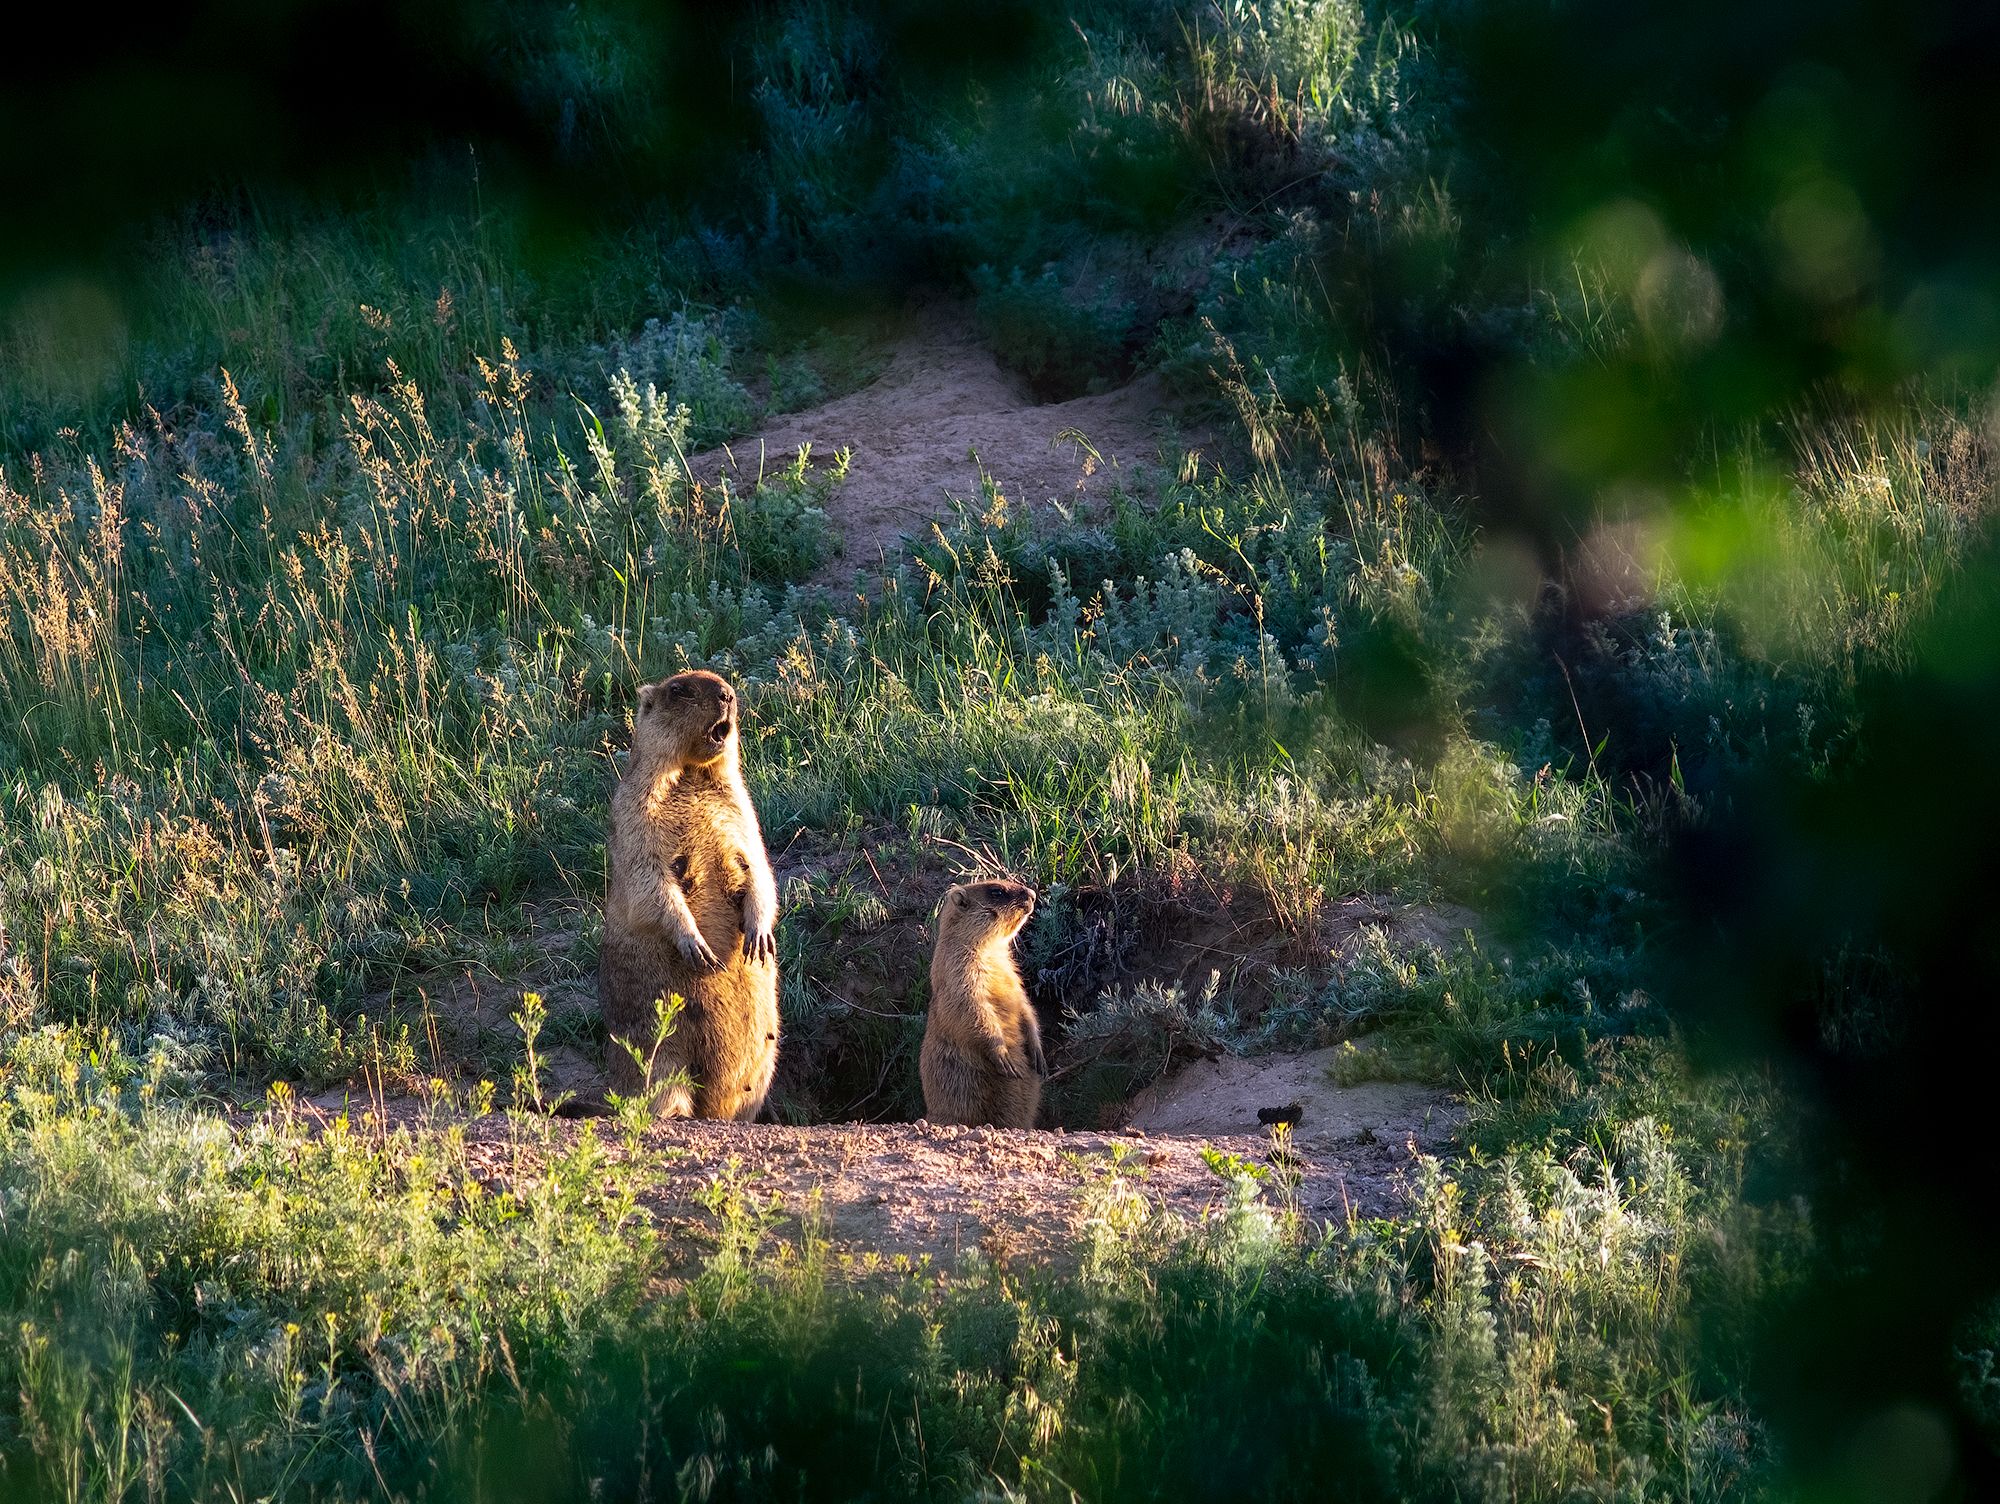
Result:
980,986
706,868
703,848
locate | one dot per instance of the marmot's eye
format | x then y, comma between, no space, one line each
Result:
677,691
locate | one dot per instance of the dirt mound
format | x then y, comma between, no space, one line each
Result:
1224,1096
883,1193
904,1190
942,410
1344,926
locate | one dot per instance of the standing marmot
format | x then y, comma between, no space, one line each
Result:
692,909
982,1058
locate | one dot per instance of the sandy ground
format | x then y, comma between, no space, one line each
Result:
1226,1094
943,408
889,1193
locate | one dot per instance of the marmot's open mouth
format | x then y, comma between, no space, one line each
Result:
719,732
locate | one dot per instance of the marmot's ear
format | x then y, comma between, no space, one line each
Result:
645,698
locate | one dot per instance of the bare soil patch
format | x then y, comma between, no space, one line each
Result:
1344,926
1224,1096
943,412
886,1195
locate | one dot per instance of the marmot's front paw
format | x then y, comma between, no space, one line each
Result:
1008,1064
762,946
698,954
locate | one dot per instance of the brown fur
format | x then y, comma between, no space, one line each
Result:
692,909
982,1057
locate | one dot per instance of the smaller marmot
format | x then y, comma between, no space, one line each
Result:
691,910
982,1058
